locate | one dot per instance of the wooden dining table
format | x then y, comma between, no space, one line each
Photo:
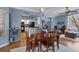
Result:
45,38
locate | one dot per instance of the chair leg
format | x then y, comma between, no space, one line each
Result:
53,49
40,47
46,49
27,49
58,44
33,49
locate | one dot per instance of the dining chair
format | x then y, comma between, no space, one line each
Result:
39,38
56,37
45,41
31,43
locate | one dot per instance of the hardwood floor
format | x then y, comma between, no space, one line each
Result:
71,43
64,41
13,45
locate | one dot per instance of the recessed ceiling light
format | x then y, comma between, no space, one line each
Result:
42,9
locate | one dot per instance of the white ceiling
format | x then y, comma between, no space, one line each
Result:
32,9
57,10
49,11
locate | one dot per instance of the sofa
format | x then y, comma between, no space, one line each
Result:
72,33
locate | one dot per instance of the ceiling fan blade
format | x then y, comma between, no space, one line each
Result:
70,12
76,10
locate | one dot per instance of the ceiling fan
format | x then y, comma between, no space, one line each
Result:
69,11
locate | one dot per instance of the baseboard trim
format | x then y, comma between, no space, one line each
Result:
4,45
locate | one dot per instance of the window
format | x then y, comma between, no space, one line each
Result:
2,24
